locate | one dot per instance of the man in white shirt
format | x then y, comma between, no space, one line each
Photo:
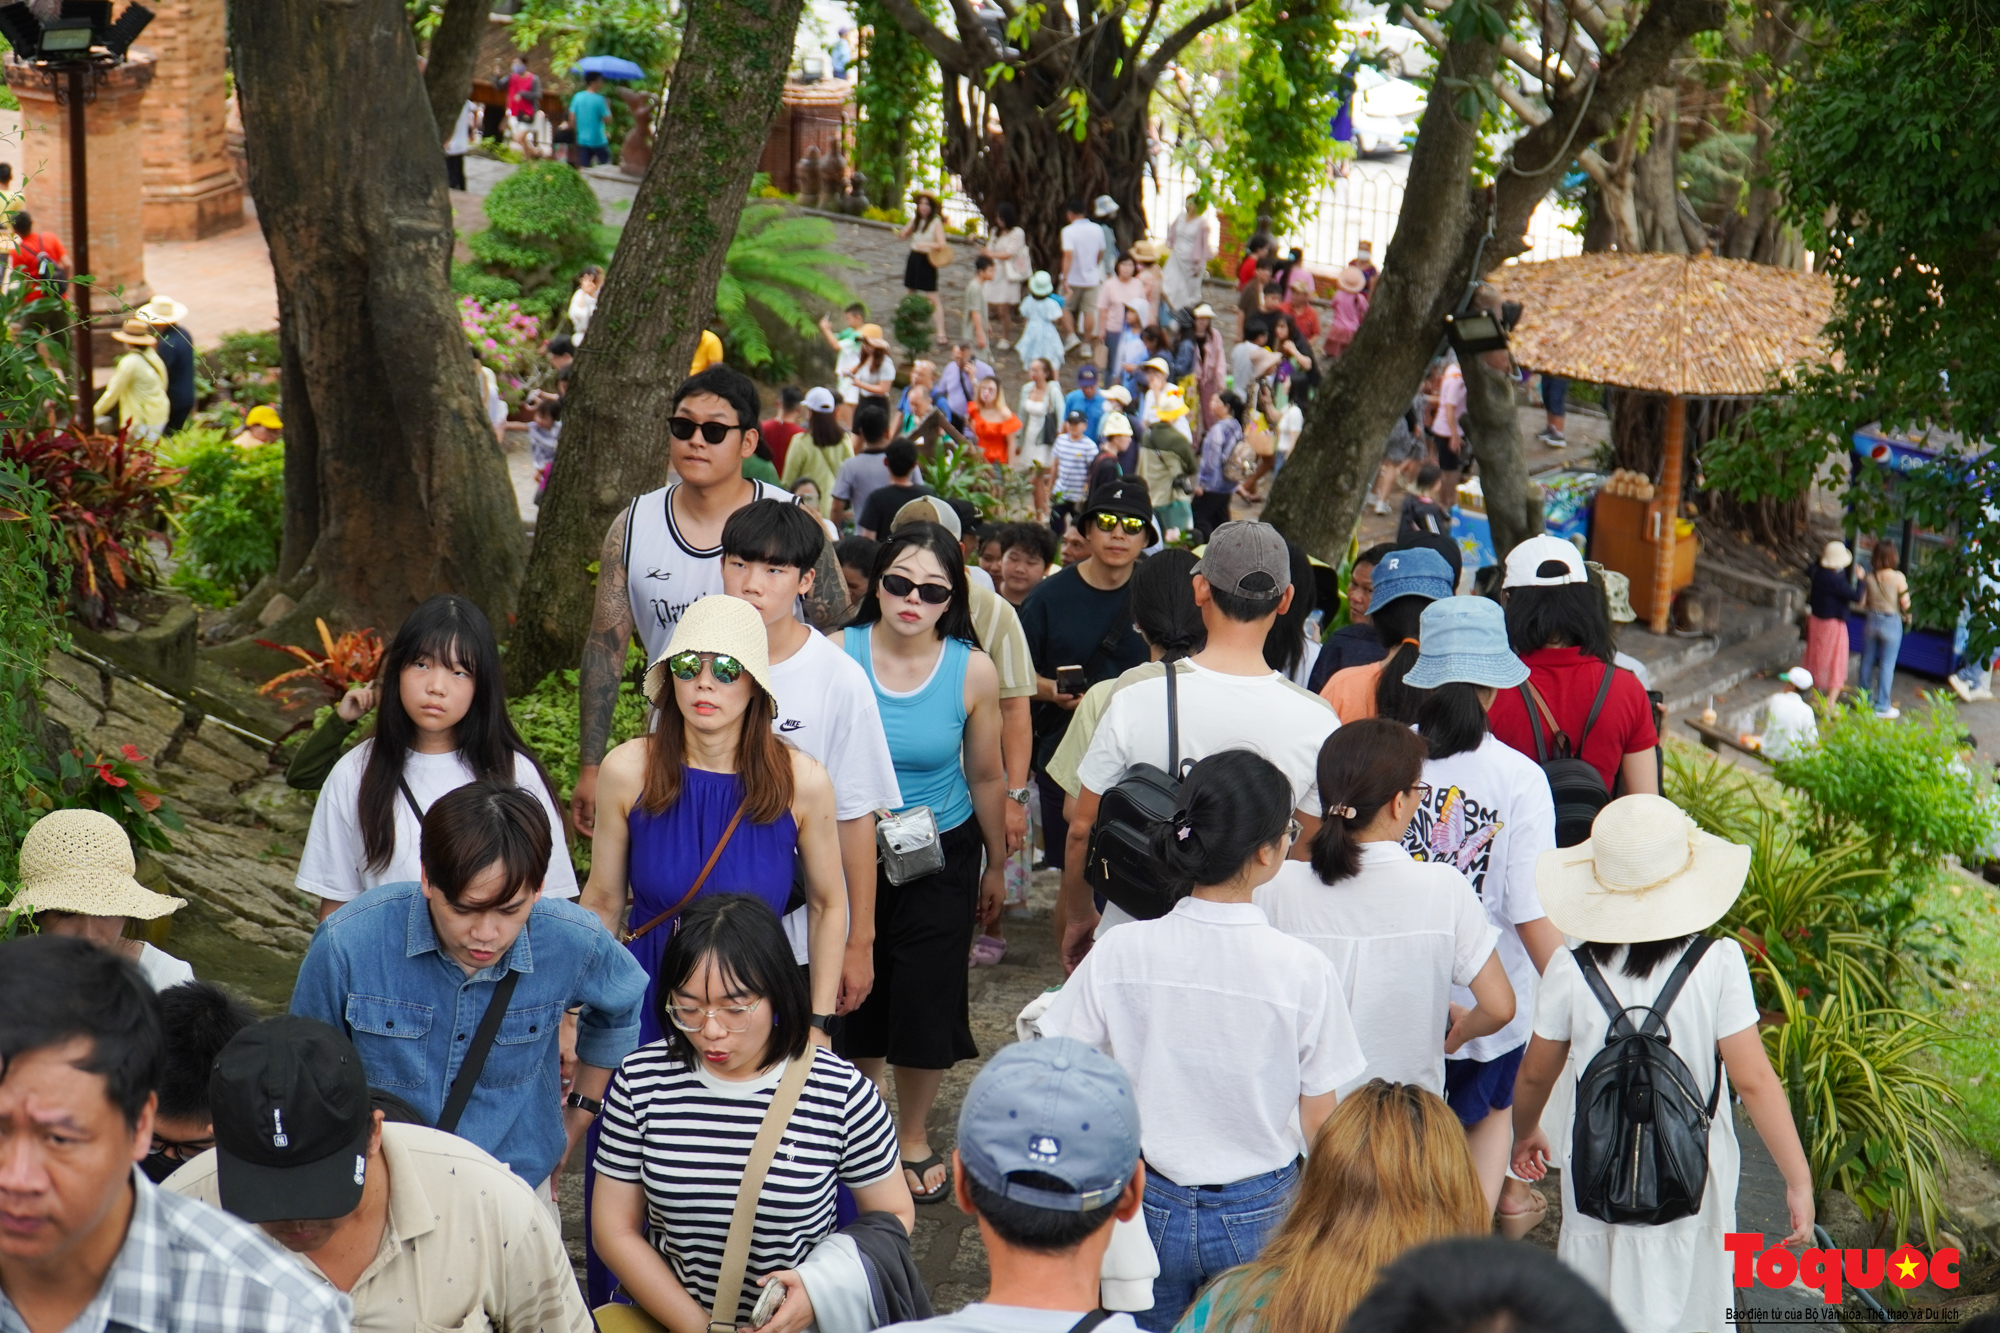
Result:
769,550
1082,263
1790,728
1229,698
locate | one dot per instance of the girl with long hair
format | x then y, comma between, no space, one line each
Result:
1289,648
925,233
1212,485
1388,1172
1226,1026
1040,409
1007,247
441,722
939,697
992,423
1886,599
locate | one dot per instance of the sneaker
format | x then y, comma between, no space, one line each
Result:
1381,505
1981,694
1071,342
1000,343
1553,440
1889,714
1959,687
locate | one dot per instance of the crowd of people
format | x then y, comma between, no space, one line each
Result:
1311,1055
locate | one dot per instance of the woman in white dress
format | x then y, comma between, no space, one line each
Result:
1008,249
1041,413
1188,253
1039,313
1641,892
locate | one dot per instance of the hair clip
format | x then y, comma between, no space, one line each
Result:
1344,811
1182,831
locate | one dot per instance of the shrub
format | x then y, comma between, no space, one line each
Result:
542,229
242,369
775,260
505,338
915,324
232,518
106,498
353,659
30,628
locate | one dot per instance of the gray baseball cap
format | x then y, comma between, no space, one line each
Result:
1247,559
1058,1108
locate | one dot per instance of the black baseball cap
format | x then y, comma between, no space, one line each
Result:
292,1121
1126,497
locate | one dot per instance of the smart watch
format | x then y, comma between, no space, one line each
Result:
824,1022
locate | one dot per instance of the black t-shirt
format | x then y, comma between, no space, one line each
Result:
1422,517
1068,623
883,502
1348,646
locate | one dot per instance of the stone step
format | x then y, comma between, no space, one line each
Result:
1772,648
1752,589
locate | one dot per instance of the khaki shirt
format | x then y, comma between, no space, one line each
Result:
998,626
1083,722
467,1248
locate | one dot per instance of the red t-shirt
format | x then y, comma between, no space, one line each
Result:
1246,271
28,252
1569,680
778,434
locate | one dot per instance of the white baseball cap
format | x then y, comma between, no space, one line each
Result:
819,398
1800,678
1528,565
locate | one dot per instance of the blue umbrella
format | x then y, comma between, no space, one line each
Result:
611,67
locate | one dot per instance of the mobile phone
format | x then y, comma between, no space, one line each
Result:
1070,680
768,1301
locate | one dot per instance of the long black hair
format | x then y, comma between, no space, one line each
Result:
1451,718
747,941
956,622
1362,767
1396,628
447,628
1568,615
1285,643
1233,803
1640,959
1163,606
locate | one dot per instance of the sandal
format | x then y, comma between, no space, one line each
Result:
1515,1226
988,950
943,1191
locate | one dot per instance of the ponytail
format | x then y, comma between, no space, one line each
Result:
1451,718
1362,767
1233,803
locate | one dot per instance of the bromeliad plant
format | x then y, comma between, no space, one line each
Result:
117,785
107,499
352,659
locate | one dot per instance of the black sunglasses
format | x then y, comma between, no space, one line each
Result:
936,594
715,432
1113,522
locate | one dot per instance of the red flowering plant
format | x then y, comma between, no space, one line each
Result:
107,499
120,785
350,660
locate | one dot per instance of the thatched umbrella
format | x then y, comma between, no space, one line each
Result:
1679,325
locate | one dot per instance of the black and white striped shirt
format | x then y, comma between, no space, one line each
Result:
683,1135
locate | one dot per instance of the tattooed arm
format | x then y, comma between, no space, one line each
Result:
825,601
603,665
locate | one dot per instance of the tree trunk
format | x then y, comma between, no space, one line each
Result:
1655,183
400,490
657,298
1493,428
448,64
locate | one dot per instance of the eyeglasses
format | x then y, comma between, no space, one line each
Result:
693,1018
179,1151
1133,526
934,594
686,666
1423,791
1293,829
715,432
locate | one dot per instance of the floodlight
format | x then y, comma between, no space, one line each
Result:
97,11
118,38
22,29
66,37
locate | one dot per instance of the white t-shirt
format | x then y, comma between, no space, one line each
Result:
1289,425
1222,1023
1789,726
826,707
1399,935
334,864
1490,816
664,573
974,574
582,305
161,969
1084,241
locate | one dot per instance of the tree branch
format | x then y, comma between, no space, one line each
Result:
448,67
952,55
1512,49
1517,101
1164,54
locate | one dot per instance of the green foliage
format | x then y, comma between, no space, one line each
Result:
242,370
543,229
31,628
898,95
777,259
548,719
1275,115
31,392
914,324
232,516
119,785
106,499
645,32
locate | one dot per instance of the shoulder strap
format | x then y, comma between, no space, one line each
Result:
1173,718
1089,1321
699,880
1538,713
1675,980
1603,693
415,809
1621,1027
475,1056
736,1250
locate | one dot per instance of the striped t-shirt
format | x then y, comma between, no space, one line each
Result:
683,1135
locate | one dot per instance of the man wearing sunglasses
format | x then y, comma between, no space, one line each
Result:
664,552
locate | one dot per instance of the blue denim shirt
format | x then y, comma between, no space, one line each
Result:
376,972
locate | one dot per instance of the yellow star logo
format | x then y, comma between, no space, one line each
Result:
1906,1266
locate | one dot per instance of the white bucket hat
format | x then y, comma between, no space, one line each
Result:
719,624
1647,872
1836,556
80,861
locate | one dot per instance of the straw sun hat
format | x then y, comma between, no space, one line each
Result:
1836,556
1646,872
135,333
80,861
716,624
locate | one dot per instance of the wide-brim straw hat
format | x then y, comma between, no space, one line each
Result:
1351,279
1836,556
717,623
136,333
81,861
163,310
1647,872
1147,251
872,335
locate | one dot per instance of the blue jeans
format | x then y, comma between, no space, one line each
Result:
1199,1232
1880,642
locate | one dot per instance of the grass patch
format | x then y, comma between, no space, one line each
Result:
1972,908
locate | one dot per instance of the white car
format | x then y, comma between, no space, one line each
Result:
1385,109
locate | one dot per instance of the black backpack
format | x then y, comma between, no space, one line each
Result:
1639,1148
1120,864
1577,786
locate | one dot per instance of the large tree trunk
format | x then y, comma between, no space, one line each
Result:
448,64
1318,496
658,296
1666,224
1494,429
400,490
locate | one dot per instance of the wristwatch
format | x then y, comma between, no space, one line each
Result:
583,1103
1020,795
824,1022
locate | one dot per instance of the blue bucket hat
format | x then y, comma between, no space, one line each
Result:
1465,639
1415,572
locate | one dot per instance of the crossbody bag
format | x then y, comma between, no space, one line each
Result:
694,888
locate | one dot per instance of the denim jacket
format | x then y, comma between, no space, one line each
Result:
376,972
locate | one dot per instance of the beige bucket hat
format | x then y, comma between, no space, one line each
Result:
721,624
80,861
1646,872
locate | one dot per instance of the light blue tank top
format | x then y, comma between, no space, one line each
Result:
926,730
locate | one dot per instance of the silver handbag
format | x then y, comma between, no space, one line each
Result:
909,844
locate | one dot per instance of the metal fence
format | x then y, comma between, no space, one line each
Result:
1363,205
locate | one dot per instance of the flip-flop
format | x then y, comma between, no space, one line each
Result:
917,1169
988,950
1515,1226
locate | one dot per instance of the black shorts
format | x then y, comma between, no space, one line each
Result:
919,274
917,1016
1449,459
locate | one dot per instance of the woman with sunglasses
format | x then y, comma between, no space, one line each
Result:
1400,933
1227,1027
940,702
